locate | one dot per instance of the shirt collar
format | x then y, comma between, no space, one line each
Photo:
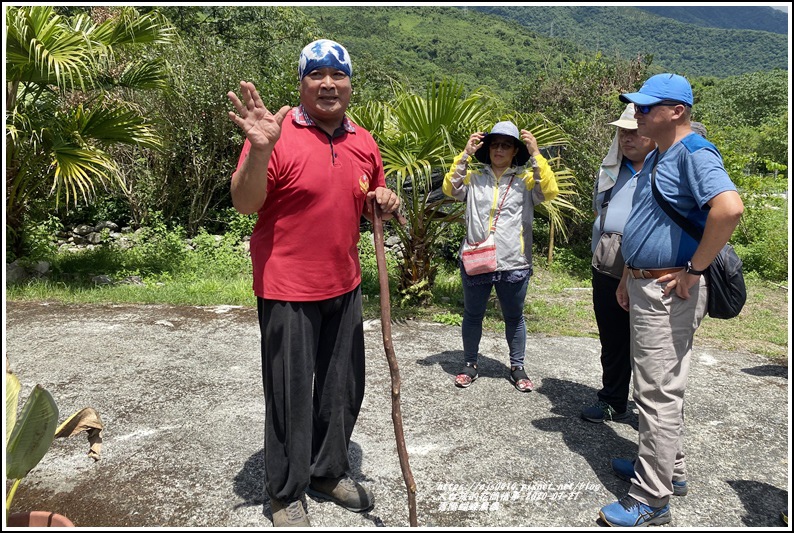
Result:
301,117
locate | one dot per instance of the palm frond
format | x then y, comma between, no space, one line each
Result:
115,123
129,27
40,49
75,169
144,75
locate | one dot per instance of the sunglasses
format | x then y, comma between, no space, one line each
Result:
502,145
645,109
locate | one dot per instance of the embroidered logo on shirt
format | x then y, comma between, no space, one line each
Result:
363,183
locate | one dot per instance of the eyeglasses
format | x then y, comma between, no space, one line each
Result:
502,146
645,109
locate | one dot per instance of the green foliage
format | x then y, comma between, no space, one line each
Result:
215,257
574,261
188,181
67,84
761,239
417,137
157,251
417,44
450,319
520,75
760,18
237,225
747,118
687,49
415,295
30,435
40,238
370,281
581,99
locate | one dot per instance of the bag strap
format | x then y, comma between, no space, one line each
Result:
604,206
685,224
496,216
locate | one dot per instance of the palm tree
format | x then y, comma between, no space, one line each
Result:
419,137
551,140
66,82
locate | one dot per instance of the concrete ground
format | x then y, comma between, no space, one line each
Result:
179,391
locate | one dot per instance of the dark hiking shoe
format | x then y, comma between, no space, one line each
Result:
601,411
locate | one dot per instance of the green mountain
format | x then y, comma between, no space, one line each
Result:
688,49
762,18
421,43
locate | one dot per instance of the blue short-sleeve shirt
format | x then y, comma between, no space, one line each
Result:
689,175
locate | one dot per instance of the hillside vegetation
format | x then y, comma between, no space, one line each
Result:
760,18
416,44
687,49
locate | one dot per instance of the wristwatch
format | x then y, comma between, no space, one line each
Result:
690,269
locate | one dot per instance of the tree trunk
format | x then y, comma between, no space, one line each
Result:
551,244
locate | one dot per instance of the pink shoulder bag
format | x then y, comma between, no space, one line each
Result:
480,257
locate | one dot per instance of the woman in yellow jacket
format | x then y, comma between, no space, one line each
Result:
500,200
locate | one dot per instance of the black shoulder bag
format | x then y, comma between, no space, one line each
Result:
727,292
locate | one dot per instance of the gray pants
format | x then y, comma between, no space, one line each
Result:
662,332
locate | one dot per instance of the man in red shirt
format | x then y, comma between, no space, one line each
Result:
308,172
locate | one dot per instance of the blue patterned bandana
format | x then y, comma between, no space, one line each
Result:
324,53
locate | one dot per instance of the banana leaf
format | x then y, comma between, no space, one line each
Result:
32,435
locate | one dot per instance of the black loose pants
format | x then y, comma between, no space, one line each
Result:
615,335
313,378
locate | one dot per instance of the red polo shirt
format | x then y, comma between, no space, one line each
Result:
304,244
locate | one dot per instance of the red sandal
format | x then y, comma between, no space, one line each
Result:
520,379
466,376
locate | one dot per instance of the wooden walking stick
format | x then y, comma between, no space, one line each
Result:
385,320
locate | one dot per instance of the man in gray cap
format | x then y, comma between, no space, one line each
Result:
664,290
310,174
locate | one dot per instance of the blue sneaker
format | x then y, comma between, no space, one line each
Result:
680,488
624,469
628,512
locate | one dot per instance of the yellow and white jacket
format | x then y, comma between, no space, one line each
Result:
483,194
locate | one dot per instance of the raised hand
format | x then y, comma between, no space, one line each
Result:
475,142
531,142
261,127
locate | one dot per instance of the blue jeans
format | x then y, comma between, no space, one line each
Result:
511,298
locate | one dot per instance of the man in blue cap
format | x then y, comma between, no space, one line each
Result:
309,173
664,290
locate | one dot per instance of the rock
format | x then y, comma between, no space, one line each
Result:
15,272
112,226
83,229
42,267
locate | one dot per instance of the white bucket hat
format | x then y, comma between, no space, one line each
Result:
626,120
507,129
610,166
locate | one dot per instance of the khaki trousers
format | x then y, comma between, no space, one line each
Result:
662,332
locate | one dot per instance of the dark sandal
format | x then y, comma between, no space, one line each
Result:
466,376
520,379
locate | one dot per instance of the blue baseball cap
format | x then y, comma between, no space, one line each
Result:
324,53
659,88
